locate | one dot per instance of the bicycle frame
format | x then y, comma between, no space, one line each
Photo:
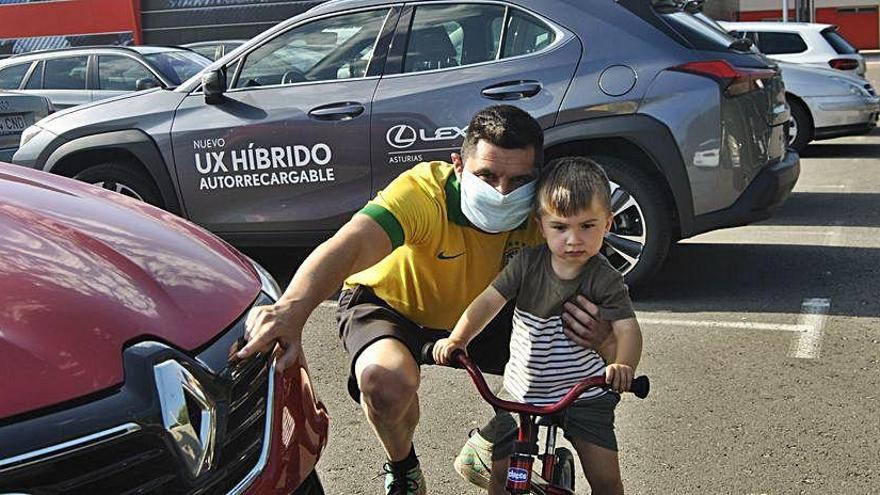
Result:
520,476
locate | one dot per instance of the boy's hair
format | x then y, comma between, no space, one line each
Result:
505,126
568,185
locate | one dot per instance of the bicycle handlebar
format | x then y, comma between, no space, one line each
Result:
640,386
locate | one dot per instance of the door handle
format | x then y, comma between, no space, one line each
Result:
337,111
514,90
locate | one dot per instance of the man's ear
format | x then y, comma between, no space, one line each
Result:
457,163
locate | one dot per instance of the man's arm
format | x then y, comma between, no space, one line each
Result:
358,245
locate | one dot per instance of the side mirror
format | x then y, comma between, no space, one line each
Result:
214,85
146,83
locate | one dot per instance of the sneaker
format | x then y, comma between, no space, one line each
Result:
410,482
474,462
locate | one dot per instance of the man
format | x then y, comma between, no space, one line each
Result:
412,260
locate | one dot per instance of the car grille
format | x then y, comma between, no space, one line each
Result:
143,461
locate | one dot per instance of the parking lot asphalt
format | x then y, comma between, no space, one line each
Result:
762,343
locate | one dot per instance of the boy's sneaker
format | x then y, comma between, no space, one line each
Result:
408,482
474,462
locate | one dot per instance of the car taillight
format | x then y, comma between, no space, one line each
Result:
734,81
843,64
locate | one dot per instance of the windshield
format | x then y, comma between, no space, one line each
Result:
177,66
702,35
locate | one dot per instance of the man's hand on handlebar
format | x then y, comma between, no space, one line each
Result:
444,348
269,325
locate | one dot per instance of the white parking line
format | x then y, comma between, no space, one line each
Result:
814,315
737,325
329,304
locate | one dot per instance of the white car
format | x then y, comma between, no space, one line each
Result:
826,103
801,43
18,112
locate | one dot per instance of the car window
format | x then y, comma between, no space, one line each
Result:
327,49
452,35
525,34
10,77
774,43
209,51
36,79
120,73
65,73
177,66
838,42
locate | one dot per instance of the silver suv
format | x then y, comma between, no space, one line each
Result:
282,139
73,76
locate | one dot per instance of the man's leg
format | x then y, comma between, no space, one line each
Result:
388,378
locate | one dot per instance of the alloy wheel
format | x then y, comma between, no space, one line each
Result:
119,188
626,240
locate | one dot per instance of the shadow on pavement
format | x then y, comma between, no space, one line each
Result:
764,278
842,150
825,209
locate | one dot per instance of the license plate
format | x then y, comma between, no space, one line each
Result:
14,123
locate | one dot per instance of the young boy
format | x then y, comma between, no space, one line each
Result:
573,212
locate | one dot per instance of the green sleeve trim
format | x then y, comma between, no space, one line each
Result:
387,221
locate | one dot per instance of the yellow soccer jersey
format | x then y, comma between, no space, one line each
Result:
439,262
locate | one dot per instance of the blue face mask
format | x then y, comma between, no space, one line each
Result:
491,211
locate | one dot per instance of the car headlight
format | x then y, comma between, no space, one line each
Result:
28,134
270,286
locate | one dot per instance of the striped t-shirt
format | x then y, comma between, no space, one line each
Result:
544,363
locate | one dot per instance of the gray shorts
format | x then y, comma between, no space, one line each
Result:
591,420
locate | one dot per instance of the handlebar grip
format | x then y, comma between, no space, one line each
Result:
640,386
428,354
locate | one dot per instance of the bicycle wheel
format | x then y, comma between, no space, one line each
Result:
563,475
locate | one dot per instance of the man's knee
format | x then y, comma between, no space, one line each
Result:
386,391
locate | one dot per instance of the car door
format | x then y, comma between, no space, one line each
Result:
119,74
285,150
62,80
454,60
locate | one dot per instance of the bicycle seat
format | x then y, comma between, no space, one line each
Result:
551,420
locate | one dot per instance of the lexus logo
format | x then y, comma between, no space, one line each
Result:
401,136
195,442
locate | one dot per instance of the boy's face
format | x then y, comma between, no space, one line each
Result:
579,237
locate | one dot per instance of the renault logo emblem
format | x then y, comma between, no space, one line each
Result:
193,431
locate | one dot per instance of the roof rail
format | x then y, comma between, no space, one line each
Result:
72,48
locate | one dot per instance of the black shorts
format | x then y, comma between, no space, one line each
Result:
364,318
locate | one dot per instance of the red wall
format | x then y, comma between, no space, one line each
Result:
70,17
862,29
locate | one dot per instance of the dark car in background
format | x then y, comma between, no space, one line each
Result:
74,76
17,113
282,140
118,320
214,49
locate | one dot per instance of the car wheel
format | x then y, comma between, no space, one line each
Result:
642,230
310,486
563,473
123,178
800,126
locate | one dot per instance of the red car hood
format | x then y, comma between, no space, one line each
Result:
84,272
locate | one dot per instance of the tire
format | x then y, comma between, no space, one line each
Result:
563,475
641,234
310,486
124,178
800,127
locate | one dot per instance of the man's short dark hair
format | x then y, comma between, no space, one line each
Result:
505,126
